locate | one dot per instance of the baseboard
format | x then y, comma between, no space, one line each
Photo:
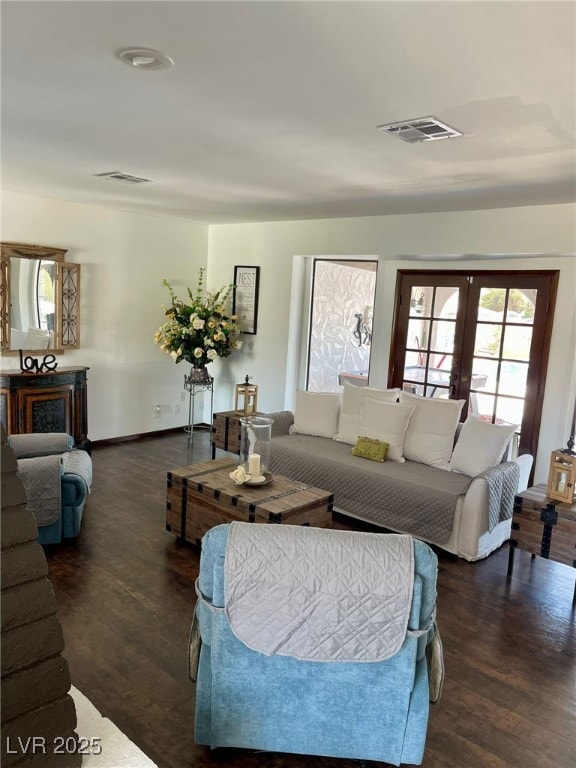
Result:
147,435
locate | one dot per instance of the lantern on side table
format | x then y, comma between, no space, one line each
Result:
562,477
562,474
246,398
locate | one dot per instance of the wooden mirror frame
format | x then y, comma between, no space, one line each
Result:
67,296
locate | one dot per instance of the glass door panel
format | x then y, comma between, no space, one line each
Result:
517,342
502,337
509,410
513,378
431,331
488,339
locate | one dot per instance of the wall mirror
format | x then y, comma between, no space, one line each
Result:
40,299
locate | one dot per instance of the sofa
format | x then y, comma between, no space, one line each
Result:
444,481
57,479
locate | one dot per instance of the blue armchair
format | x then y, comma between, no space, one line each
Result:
314,654
57,479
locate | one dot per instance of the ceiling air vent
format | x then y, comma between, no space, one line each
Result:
422,129
125,178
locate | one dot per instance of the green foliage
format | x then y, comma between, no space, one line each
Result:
493,298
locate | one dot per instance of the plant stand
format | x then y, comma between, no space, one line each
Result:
199,380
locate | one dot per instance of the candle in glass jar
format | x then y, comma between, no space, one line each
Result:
254,464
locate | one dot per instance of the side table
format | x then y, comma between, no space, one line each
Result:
226,430
543,527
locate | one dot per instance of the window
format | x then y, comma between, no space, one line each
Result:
342,302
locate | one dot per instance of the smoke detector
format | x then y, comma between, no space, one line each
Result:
421,129
125,178
145,58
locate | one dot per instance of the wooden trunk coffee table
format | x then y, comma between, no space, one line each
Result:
203,495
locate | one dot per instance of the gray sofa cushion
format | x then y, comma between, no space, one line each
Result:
408,497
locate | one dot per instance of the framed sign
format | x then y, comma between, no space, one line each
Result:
245,303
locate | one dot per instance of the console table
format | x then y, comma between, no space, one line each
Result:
56,401
543,527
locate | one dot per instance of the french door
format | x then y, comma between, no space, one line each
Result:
479,336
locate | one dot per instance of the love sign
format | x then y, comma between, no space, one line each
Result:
31,364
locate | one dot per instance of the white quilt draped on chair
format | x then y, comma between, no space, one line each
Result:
287,592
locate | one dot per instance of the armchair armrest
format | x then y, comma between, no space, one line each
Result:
525,464
283,420
40,444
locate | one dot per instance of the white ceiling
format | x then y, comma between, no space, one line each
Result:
271,108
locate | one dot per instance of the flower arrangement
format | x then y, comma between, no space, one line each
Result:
200,331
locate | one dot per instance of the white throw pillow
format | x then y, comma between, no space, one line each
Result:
18,339
316,413
430,434
36,339
480,446
353,399
387,422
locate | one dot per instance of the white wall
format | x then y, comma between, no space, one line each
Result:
540,237
124,258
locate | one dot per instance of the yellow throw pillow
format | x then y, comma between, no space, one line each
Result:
369,448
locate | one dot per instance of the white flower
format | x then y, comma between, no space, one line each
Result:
239,344
211,354
239,475
198,323
198,352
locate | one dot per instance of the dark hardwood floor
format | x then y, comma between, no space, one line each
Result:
125,590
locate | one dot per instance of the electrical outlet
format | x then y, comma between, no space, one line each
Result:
182,397
177,408
157,411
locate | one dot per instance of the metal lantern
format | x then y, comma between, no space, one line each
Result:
562,477
246,398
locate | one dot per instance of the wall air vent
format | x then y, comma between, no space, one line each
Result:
422,129
125,178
